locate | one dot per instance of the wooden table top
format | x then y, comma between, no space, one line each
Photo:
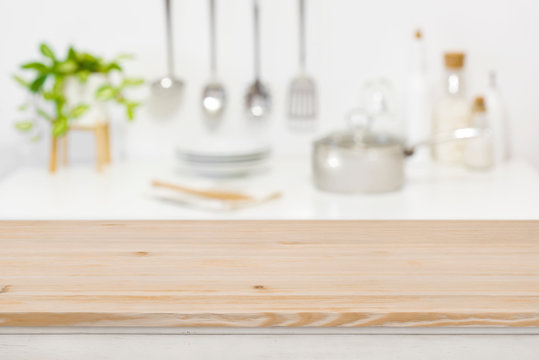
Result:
269,273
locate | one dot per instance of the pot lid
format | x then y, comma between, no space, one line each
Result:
350,139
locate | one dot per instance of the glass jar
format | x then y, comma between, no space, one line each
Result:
452,111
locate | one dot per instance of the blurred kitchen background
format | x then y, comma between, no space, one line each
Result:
349,42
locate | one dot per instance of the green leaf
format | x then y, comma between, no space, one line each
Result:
132,82
60,103
124,57
130,113
57,92
58,87
21,81
106,92
23,107
35,66
66,67
78,111
59,127
44,114
87,57
24,125
50,95
37,84
83,75
88,62
113,66
130,108
46,50
72,54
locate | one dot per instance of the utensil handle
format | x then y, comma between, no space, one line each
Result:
256,18
302,39
170,39
218,195
458,134
213,38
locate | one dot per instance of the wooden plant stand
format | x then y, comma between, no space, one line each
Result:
59,145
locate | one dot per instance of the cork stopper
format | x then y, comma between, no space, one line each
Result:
454,60
479,105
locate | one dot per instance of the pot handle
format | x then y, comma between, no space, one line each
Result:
459,134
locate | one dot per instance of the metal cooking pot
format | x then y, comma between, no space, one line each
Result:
348,162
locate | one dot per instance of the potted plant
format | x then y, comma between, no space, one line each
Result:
73,89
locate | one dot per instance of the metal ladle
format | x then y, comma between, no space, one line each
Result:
168,87
258,99
214,94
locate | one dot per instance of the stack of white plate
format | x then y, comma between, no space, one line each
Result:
224,157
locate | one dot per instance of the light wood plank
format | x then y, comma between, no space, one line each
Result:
269,273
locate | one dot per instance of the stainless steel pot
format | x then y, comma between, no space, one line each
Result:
347,162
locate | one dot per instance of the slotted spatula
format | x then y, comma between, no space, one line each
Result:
303,102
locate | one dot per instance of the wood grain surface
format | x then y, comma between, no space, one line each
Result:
269,273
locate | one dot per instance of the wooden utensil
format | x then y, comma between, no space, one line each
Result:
212,194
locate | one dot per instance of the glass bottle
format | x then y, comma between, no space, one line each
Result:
452,112
418,109
479,152
497,121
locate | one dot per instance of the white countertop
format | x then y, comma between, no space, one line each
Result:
123,192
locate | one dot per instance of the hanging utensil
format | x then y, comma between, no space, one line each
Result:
214,94
303,102
258,99
168,87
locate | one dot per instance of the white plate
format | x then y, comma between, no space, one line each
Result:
222,159
227,147
225,170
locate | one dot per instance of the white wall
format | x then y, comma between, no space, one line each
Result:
349,41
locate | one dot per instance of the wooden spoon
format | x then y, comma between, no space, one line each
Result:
219,195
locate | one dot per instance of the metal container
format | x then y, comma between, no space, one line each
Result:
349,162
